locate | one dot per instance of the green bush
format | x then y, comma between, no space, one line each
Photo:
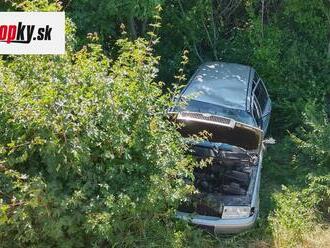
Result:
291,220
314,154
87,155
303,208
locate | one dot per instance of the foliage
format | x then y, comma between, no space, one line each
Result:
314,147
36,5
291,219
301,208
105,17
87,155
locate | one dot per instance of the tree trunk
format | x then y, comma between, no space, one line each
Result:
262,17
197,53
215,33
132,27
144,27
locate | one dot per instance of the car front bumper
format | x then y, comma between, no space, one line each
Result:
219,225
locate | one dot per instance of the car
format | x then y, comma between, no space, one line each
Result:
231,103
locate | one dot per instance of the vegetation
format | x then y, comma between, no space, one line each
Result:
88,158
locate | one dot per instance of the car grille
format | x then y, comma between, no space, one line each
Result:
206,118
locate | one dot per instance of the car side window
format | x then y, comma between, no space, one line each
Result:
257,112
261,95
260,92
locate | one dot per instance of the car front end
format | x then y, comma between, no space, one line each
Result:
227,189
237,213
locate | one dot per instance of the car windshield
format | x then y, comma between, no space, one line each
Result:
222,84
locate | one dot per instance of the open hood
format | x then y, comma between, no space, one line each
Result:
222,129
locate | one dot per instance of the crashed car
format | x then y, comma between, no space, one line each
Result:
231,103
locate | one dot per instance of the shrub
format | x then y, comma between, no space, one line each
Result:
298,209
314,147
292,218
87,155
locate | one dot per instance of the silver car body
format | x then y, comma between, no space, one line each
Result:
228,98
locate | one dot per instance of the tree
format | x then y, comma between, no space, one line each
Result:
105,17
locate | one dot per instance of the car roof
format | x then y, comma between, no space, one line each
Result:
220,83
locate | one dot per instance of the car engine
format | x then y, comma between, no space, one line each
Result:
228,174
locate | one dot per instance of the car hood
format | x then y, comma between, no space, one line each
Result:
221,129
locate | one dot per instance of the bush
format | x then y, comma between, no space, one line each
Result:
302,209
87,155
291,220
314,147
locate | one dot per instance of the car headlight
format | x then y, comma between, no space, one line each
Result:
235,212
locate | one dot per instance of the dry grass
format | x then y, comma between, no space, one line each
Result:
320,238
260,244
317,239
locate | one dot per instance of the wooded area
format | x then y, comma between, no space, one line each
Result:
88,157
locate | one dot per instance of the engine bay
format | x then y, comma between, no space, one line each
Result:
223,179
227,177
